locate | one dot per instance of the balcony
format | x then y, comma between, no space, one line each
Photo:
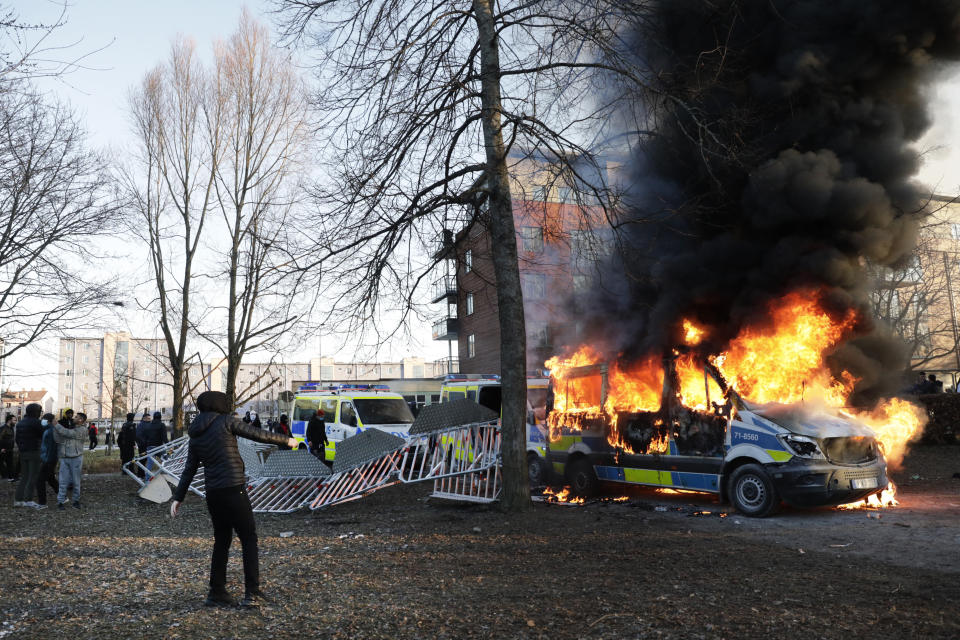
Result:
446,329
443,248
446,365
445,288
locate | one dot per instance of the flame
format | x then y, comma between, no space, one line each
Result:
564,496
886,498
782,359
692,334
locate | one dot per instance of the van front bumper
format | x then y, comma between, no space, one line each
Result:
812,483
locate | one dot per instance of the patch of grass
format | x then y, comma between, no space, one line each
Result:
99,462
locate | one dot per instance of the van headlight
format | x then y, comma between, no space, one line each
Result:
802,446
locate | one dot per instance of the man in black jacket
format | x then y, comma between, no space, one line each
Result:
154,434
127,440
213,443
317,435
29,433
6,447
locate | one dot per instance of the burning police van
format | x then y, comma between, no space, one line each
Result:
754,455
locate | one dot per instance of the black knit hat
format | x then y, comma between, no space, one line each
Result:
215,401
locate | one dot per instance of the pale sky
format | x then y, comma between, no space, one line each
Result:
125,39
128,37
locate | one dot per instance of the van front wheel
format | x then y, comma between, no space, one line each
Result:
752,492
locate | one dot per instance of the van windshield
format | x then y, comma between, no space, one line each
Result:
305,408
383,411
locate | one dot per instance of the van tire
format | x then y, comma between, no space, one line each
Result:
582,478
302,445
537,470
752,492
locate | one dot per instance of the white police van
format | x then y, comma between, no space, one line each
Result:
348,410
485,390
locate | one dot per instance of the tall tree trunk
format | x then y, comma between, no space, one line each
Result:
516,490
177,408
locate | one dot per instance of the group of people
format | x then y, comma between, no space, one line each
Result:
43,442
145,435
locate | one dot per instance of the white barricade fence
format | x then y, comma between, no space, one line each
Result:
289,480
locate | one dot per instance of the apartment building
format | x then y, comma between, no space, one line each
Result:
111,375
562,235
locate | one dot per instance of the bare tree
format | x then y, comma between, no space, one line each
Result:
53,201
171,192
421,103
918,301
220,152
263,129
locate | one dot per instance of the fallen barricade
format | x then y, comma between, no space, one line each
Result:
455,445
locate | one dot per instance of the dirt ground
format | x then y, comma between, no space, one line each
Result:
397,565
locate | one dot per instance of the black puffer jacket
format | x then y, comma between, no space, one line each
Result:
29,431
213,443
154,433
127,439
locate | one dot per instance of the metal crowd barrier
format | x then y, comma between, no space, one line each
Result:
365,463
455,445
289,480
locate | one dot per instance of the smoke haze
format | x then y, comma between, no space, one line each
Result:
782,160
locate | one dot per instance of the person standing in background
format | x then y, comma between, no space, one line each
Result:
48,461
29,433
70,440
127,440
7,443
317,435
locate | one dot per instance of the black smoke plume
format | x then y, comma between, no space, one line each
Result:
781,160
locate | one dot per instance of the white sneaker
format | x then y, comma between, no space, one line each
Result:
17,503
31,504
40,506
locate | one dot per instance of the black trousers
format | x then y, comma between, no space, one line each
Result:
48,475
230,511
7,469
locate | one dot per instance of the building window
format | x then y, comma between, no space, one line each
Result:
531,239
580,283
86,345
540,194
534,286
469,304
565,194
86,359
468,261
955,231
471,345
538,335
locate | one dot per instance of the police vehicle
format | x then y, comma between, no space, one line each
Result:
752,455
348,410
485,389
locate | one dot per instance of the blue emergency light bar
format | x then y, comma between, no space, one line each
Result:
317,386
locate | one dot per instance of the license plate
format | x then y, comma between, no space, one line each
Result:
864,483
